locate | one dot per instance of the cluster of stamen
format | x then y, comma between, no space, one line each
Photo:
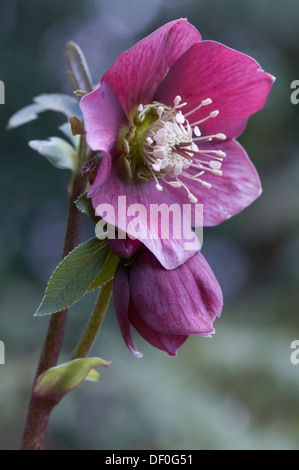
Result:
169,146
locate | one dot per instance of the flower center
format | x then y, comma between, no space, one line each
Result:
163,146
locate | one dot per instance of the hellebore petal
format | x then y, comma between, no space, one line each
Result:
235,83
167,343
182,301
168,246
163,118
103,173
124,248
165,306
136,74
230,193
121,297
103,117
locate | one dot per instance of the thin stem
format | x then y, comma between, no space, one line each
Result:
95,322
39,409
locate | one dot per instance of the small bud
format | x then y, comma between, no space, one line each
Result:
77,126
80,93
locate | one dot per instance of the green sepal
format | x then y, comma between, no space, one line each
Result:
93,376
56,382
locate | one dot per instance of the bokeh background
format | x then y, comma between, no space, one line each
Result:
237,390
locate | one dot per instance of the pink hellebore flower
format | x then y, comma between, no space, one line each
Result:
165,117
164,306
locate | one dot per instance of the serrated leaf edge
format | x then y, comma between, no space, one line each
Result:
36,314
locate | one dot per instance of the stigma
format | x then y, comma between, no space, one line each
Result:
163,145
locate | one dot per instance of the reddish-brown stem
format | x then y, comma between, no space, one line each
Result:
40,408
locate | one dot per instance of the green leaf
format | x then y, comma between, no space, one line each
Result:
73,276
107,272
84,204
93,376
79,71
60,153
68,105
56,382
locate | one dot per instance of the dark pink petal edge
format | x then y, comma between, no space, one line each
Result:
170,251
103,118
136,74
121,298
168,343
230,193
234,81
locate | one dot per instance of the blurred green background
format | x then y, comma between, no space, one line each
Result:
237,390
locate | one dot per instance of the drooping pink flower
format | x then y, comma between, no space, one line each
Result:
165,117
165,306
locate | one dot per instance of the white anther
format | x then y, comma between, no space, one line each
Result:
180,118
156,166
160,111
192,198
220,136
197,131
219,153
206,185
214,113
159,152
140,107
217,172
159,187
164,163
215,165
149,140
206,102
177,100
177,170
161,136
175,184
